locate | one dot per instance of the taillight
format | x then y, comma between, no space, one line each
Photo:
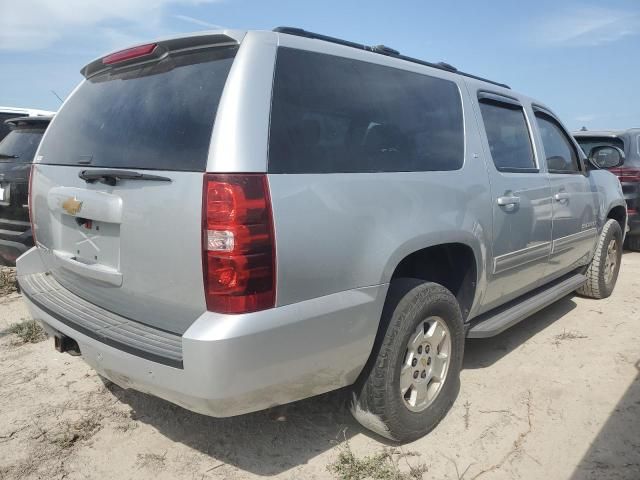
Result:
626,174
238,243
129,54
30,201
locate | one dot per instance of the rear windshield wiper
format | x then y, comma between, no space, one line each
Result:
7,155
111,177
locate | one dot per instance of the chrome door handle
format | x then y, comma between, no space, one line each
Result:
560,197
508,200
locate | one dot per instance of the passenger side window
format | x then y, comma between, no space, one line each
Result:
508,136
559,151
332,114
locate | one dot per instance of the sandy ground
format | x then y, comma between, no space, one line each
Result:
556,397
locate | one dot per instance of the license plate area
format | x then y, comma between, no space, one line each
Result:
91,242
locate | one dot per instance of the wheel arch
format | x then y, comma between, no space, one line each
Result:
458,265
619,214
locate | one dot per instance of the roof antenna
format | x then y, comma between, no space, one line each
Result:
57,96
583,129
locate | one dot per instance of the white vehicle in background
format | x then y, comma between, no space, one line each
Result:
7,113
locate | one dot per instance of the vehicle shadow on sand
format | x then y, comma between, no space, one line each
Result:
282,438
263,443
482,353
615,452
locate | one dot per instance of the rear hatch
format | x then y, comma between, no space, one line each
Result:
117,185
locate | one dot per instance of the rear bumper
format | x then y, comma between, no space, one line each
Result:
234,364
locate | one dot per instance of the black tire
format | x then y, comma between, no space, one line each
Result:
598,285
632,243
377,402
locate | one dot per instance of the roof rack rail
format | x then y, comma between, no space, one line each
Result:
383,50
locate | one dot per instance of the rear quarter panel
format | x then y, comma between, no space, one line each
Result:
343,231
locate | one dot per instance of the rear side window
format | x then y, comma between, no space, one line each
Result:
333,114
20,145
559,151
153,116
508,136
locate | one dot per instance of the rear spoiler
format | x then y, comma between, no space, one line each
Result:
153,51
41,121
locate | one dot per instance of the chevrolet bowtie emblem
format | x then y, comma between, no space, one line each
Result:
72,206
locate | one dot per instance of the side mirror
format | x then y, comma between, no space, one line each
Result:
606,156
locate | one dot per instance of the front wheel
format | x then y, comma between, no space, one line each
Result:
412,379
603,270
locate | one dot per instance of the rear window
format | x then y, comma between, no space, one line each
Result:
333,114
508,136
154,116
588,143
20,145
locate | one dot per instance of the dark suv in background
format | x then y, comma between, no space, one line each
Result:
8,113
629,173
16,155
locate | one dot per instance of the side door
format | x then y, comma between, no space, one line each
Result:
521,200
574,228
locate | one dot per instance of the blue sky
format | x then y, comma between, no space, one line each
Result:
581,58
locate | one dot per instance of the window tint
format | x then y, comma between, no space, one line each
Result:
588,143
558,149
508,136
155,116
333,114
21,145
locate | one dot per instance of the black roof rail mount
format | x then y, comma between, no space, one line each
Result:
448,66
383,50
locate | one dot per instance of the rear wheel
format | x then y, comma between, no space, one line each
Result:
412,379
602,273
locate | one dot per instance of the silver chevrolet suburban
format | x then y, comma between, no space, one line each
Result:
235,220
